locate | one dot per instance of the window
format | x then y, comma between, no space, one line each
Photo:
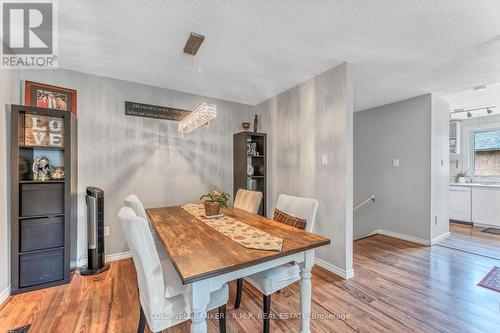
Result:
487,153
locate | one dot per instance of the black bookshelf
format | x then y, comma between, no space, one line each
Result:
258,160
43,213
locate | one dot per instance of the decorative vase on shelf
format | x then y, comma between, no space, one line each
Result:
212,208
250,170
256,124
461,180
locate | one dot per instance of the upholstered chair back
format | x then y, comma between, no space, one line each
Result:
135,203
146,260
303,208
248,200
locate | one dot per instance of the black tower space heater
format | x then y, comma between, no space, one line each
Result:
95,232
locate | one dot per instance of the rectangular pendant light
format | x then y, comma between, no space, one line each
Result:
200,116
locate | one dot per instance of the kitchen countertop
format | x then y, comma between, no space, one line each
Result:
495,185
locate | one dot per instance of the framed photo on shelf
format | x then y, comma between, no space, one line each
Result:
252,148
52,97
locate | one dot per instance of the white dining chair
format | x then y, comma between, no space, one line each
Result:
135,203
277,278
248,200
159,307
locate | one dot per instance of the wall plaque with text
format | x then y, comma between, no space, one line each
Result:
41,131
154,111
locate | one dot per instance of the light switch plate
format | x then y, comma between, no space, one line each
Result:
395,163
106,230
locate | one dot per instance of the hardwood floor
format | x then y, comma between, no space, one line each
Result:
398,287
472,239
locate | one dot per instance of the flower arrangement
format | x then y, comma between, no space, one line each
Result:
213,201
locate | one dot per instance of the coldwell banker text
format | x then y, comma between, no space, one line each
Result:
29,31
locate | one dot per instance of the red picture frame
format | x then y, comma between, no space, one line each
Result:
48,96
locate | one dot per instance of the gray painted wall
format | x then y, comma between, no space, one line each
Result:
304,123
415,131
123,154
401,131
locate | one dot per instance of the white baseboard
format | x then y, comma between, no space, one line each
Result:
109,257
401,236
4,294
118,256
345,274
438,239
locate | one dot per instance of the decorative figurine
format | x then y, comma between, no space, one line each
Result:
256,124
41,169
250,170
57,173
246,126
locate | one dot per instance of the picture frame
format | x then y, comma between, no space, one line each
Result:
251,148
49,96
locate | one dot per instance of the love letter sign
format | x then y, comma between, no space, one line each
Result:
43,131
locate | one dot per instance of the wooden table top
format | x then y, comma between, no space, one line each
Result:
199,251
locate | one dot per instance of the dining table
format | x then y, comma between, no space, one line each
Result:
206,259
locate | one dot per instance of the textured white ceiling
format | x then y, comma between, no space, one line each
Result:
470,99
256,49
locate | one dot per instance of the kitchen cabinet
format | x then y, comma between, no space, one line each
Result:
460,203
486,205
455,137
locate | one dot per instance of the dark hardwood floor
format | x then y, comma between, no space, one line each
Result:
398,287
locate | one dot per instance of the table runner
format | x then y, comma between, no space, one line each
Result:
239,232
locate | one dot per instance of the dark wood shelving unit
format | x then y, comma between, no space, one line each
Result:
41,181
41,147
43,219
257,181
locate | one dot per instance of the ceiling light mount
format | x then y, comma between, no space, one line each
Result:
479,88
193,43
488,108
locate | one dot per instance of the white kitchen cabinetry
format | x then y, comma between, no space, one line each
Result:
460,203
486,206
455,137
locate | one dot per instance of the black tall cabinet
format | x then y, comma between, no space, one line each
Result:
250,149
43,212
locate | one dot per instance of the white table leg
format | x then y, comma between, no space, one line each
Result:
305,291
200,297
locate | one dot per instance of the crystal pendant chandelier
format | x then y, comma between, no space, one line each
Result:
201,115
203,112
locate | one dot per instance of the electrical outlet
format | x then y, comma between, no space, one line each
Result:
106,230
324,159
395,163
